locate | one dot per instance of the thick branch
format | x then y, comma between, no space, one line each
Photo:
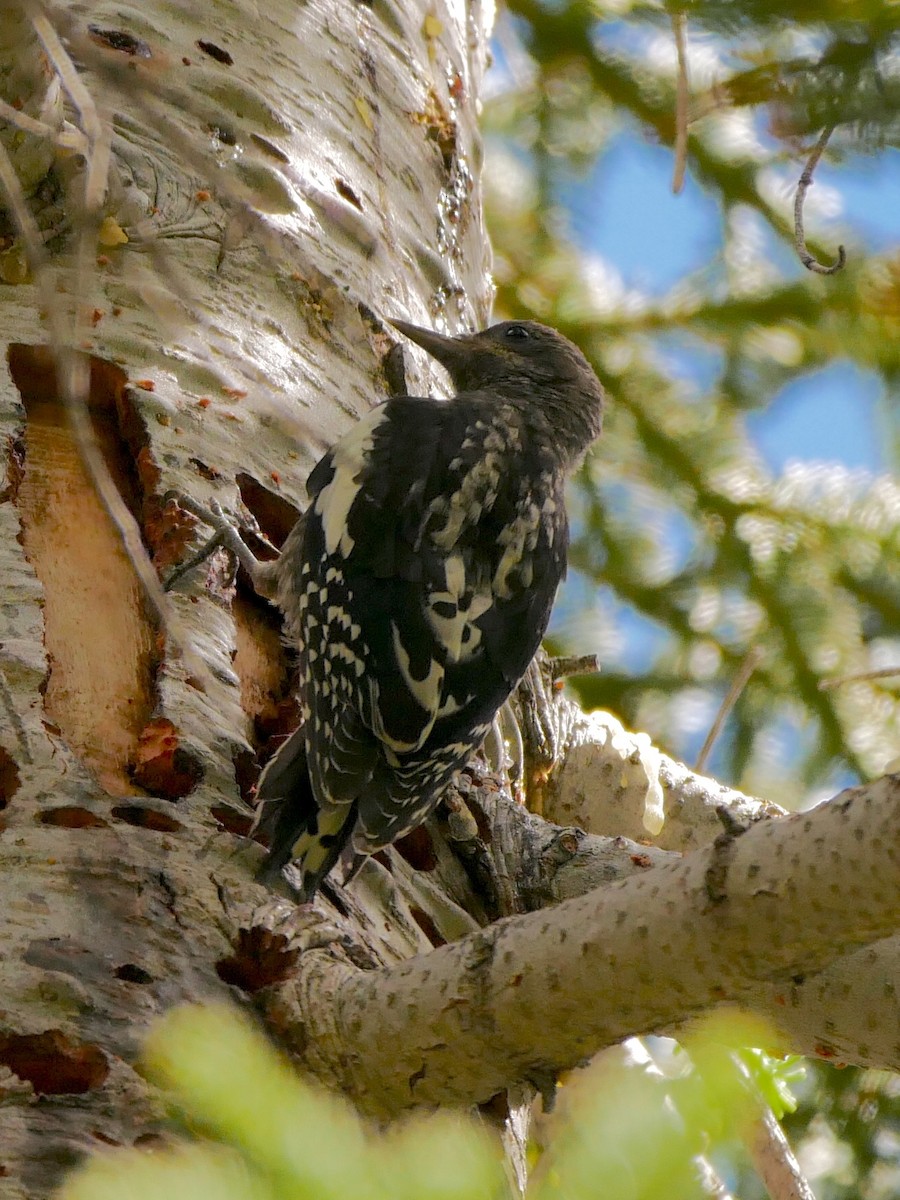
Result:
539,993
608,780
847,1013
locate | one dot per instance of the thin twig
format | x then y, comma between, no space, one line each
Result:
740,681
68,138
809,260
711,1182
68,76
682,96
18,208
835,681
775,1163
566,665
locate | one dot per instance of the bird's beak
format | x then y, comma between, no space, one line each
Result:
452,353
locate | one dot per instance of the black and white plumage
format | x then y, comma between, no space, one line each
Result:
419,585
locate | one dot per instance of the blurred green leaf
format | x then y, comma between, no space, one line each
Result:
774,1078
267,1135
186,1173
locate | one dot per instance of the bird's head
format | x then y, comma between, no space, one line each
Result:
521,360
512,350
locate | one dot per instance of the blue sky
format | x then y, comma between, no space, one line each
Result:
627,199
623,210
836,414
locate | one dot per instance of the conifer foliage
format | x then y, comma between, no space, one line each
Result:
685,531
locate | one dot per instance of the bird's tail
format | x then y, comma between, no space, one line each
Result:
290,819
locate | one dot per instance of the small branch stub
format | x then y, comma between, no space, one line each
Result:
740,681
568,665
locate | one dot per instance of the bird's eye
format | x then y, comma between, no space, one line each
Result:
517,333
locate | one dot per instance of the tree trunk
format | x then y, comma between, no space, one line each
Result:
211,295
277,177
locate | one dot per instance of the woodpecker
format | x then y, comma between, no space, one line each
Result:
418,586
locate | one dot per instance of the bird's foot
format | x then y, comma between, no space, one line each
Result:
226,536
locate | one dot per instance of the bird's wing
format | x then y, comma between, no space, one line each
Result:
491,540
431,565
517,564
369,682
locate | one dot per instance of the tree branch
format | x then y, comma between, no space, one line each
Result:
775,1162
607,777
809,260
539,993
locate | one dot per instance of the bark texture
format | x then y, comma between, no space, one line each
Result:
744,921
278,178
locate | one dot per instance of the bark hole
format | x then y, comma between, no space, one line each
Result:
264,669
216,52
132,973
99,635
72,816
261,662
120,40
426,923
146,818
161,765
9,777
261,959
54,1063
417,848
232,820
246,774
344,189
276,516
267,683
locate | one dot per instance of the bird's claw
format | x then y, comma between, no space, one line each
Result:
226,536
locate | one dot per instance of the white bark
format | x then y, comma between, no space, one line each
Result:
274,207
736,922
775,1162
613,782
